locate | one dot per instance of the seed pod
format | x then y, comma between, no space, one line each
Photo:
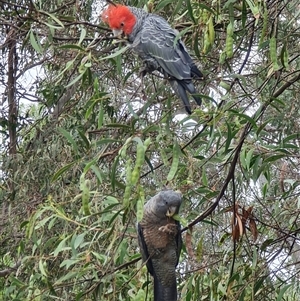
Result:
147,143
123,150
126,196
140,155
140,158
164,157
211,30
229,41
206,43
265,26
222,57
285,57
224,85
140,204
85,194
273,53
204,16
229,29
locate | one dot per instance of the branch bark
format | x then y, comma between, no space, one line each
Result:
11,91
6,272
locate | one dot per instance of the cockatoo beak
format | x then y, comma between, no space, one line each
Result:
117,32
171,211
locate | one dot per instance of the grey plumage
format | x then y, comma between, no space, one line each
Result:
152,38
160,242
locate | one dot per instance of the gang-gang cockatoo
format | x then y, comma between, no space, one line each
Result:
153,39
159,237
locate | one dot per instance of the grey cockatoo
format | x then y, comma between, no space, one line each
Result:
153,39
159,237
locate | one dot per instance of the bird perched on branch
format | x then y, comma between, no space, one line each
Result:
159,237
156,43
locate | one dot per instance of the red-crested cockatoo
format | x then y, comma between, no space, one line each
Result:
153,39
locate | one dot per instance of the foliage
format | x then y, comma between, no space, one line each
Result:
80,161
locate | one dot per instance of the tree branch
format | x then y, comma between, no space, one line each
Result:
8,271
286,85
227,180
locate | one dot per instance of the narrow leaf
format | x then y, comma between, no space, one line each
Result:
75,80
62,170
34,43
120,51
70,139
190,10
78,241
54,18
175,162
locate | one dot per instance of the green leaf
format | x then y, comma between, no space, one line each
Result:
229,136
190,10
204,177
254,260
82,35
53,18
70,139
107,141
41,268
180,219
62,246
98,173
178,7
295,136
262,126
180,34
204,7
249,158
274,158
62,170
247,118
199,249
113,172
84,139
75,80
282,291
258,284
69,262
148,161
240,77
163,3
79,240
244,13
51,26
16,281
100,117
196,45
72,46
118,125
243,158
34,43
175,162
254,8
265,189
68,276
122,50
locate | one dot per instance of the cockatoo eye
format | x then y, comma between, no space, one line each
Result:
122,24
